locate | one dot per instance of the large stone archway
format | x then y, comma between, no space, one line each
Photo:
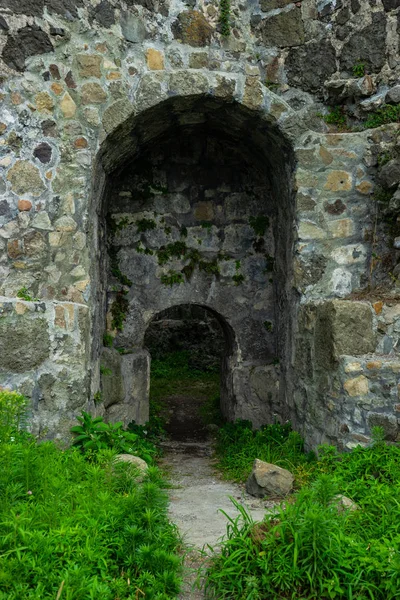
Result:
199,210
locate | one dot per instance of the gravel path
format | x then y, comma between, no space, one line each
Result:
196,497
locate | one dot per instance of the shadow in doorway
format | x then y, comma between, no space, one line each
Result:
187,345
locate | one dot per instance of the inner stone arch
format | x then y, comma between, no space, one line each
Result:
197,208
196,345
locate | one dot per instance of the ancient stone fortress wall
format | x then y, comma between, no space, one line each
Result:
161,153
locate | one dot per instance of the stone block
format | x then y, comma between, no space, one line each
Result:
192,28
67,106
269,480
138,465
388,423
25,178
126,391
155,59
338,181
352,328
358,386
93,93
89,65
283,29
24,343
342,328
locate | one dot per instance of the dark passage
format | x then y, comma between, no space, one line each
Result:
186,344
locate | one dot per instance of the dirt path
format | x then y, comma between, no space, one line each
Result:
196,498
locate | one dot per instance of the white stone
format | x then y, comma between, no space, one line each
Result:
341,283
349,255
353,367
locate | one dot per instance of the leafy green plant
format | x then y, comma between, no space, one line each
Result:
336,116
268,326
272,85
108,340
238,445
359,69
119,309
259,224
97,397
94,434
145,225
105,370
172,278
77,529
211,267
224,17
24,294
388,113
115,269
382,195
311,547
13,410
173,250
207,225
238,278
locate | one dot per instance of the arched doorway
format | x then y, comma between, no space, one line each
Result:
190,347
200,211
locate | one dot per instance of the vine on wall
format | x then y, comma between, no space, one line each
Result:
224,17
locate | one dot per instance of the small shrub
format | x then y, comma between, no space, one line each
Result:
172,278
359,69
80,529
108,340
308,548
119,309
259,224
145,225
388,113
24,294
238,445
105,370
224,17
13,410
93,434
238,278
336,116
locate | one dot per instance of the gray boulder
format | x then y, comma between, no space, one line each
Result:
390,174
269,480
343,503
138,465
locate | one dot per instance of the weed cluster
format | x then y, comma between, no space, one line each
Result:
388,113
259,224
79,529
310,548
119,309
359,69
93,434
172,278
224,17
336,116
24,294
238,444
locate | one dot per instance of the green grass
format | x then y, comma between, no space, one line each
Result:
238,445
308,549
79,529
174,374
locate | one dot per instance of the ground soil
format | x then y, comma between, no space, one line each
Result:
198,493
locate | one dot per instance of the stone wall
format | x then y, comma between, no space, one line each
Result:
89,88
